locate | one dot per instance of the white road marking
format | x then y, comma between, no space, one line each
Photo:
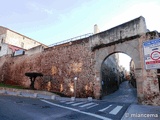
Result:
105,108
92,106
69,102
78,103
76,110
116,110
85,105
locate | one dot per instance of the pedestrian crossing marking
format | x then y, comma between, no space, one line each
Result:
92,106
105,108
88,105
69,102
78,103
85,105
116,110
79,111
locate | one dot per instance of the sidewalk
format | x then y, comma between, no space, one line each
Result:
39,94
128,94
142,112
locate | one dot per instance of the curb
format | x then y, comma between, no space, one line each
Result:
39,95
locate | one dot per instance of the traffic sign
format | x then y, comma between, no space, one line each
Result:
152,53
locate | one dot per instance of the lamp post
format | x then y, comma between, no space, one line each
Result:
75,82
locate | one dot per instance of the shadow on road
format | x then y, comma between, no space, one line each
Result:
125,94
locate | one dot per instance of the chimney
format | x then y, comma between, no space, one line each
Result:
96,29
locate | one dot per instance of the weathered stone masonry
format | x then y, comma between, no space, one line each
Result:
128,38
83,59
61,63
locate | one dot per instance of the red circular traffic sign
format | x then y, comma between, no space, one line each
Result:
155,55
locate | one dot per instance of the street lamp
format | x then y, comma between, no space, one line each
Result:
75,81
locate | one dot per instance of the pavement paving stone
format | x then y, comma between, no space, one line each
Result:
142,112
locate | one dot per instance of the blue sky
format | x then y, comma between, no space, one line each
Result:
51,21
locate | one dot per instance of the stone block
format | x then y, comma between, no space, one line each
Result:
35,95
90,99
18,93
135,53
53,97
118,47
4,92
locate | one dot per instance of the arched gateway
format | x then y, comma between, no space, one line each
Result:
82,59
126,38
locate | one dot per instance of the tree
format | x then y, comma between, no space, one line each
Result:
32,76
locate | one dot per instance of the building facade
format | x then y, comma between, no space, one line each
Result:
11,41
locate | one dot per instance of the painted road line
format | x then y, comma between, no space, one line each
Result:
85,105
116,110
76,110
69,102
105,108
92,106
78,103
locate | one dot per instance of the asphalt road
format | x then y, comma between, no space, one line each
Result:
19,108
110,108
125,94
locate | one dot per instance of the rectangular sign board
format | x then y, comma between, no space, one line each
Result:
19,52
152,54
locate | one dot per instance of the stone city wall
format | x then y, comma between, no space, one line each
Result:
34,50
59,65
148,85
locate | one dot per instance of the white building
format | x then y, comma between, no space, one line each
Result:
11,41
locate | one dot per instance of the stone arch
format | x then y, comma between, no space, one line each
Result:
105,66
131,48
126,38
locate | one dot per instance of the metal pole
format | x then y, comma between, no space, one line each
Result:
75,88
75,82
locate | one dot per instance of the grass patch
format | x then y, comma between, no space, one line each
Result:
11,86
